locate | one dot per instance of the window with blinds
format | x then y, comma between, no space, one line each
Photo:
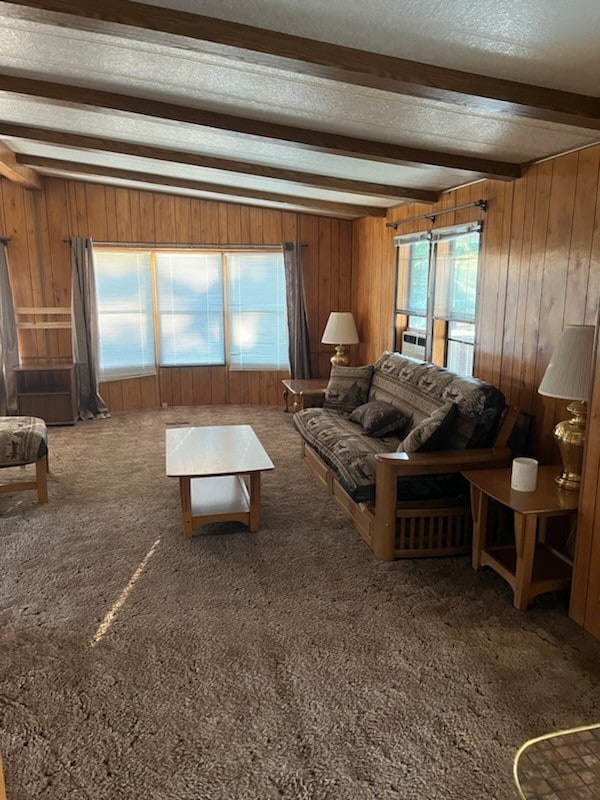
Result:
191,310
125,315
257,311
436,292
189,307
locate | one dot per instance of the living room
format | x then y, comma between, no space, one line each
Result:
539,262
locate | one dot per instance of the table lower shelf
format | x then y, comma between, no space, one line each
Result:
550,571
219,499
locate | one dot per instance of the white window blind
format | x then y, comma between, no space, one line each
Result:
125,321
457,260
257,311
190,308
418,277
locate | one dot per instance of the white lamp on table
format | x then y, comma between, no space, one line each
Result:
340,330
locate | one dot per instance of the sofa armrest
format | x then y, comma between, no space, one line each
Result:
404,464
391,466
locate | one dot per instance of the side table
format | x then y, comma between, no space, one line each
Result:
529,565
304,393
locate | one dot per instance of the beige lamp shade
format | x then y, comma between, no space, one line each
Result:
569,373
340,329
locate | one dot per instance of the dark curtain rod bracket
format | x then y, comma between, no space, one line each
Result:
482,204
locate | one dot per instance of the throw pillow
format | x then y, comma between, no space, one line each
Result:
348,388
431,432
379,418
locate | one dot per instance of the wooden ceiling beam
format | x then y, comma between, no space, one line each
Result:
328,182
315,140
15,172
318,59
83,168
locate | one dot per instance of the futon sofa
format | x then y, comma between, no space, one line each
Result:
389,444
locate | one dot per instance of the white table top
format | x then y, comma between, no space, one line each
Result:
214,450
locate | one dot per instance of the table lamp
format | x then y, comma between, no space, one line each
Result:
569,377
340,330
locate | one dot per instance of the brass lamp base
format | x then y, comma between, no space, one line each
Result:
340,358
569,435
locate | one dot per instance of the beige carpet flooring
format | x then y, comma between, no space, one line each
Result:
285,664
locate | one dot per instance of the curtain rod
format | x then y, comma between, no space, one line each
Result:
482,204
190,245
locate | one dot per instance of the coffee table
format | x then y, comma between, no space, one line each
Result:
219,468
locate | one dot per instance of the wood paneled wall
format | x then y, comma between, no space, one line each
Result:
540,270
40,268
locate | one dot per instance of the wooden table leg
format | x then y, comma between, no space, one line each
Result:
286,394
41,474
186,506
479,509
525,536
254,501
2,785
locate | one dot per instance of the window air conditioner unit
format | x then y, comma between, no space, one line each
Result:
413,344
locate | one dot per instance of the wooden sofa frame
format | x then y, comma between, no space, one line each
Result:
405,529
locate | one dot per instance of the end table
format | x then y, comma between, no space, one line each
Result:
529,565
304,393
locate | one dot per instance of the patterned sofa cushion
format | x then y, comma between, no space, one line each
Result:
348,387
22,440
431,433
345,448
380,419
418,389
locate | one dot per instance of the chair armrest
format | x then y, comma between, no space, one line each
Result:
404,464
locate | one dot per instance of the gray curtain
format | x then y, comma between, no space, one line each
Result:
85,329
300,366
9,351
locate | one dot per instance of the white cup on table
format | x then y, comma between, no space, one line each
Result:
523,476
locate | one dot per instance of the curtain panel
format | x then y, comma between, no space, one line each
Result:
9,350
299,343
85,329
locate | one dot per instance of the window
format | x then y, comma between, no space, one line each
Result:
258,332
191,322
124,302
437,292
175,308
418,284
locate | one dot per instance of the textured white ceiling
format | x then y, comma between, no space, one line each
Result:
550,43
131,127
219,84
170,169
547,42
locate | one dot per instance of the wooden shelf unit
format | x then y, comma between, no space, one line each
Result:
47,388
